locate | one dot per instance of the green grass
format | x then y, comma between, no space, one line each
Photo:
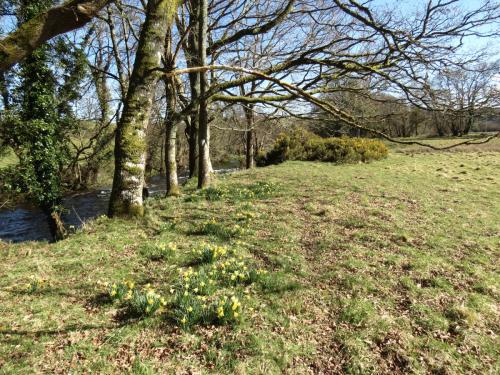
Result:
7,158
389,267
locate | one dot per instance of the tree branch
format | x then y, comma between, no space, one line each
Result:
58,20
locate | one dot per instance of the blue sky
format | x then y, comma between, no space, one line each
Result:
410,6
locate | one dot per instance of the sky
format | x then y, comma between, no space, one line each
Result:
470,43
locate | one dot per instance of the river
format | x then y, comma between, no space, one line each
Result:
28,223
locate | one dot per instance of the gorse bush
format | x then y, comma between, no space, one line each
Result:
306,146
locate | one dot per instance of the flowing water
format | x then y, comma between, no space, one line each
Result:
29,223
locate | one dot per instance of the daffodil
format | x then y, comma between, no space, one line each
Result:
220,312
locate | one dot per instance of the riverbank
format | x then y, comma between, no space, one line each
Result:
386,267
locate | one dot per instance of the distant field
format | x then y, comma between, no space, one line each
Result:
384,268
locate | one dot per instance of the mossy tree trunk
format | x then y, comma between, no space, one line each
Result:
203,131
171,151
170,122
130,142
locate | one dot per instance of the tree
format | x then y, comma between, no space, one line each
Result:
45,26
35,126
461,94
128,182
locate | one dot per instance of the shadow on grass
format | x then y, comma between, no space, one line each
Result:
6,333
99,300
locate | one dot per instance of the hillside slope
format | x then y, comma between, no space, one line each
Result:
389,267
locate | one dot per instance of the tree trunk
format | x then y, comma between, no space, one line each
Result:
170,123
193,145
249,133
170,157
57,227
130,143
203,133
192,60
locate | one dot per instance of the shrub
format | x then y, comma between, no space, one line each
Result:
303,145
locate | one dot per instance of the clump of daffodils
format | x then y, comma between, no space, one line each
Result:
221,230
146,302
235,271
141,302
159,250
120,291
209,253
191,309
215,193
195,282
35,284
246,216
228,310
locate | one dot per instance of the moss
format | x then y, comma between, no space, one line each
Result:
134,170
174,191
126,209
133,146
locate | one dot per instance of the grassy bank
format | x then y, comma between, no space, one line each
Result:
388,267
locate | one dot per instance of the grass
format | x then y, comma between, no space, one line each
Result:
7,158
389,267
